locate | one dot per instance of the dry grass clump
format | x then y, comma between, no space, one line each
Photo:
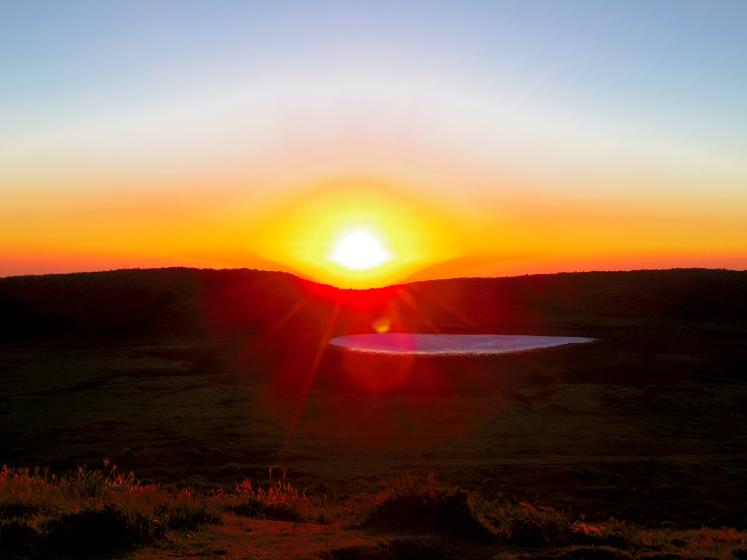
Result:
423,505
89,512
420,505
92,512
96,512
281,501
727,543
526,524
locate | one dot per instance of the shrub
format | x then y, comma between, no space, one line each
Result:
526,524
422,505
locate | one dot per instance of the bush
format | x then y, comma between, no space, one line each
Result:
526,524
422,505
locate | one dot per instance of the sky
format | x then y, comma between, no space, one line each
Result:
471,138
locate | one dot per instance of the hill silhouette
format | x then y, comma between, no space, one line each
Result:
178,301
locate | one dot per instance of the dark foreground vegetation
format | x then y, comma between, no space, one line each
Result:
92,513
632,446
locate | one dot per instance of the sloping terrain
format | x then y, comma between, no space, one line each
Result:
206,378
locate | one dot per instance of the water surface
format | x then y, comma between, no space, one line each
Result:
450,344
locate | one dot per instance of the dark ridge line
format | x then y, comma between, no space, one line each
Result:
385,287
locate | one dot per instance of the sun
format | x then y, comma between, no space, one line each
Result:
355,234
359,249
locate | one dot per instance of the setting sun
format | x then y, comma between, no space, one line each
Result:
359,249
311,266
356,233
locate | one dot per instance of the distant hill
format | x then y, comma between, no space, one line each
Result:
180,301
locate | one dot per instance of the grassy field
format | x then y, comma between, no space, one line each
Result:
631,446
102,512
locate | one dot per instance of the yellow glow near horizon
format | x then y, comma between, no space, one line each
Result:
360,249
356,235
235,147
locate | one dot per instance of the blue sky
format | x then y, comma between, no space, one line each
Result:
636,109
667,57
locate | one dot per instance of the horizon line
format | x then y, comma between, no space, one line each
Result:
419,281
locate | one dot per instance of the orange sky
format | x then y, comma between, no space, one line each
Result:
429,236
466,151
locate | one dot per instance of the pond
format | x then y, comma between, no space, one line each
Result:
450,344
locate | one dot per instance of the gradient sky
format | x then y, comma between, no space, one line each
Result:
484,138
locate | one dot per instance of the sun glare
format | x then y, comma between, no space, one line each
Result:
357,234
359,249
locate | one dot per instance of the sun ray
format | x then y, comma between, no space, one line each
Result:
307,383
276,326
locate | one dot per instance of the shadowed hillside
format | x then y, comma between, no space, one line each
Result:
205,379
180,301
